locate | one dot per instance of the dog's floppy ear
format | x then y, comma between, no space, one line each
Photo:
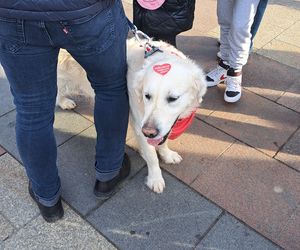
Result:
138,84
199,81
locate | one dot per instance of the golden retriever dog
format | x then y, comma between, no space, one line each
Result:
163,88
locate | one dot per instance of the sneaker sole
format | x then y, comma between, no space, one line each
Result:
232,99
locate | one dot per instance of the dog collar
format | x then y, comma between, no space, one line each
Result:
150,50
180,126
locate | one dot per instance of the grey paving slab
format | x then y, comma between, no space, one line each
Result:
6,228
6,101
15,202
289,237
70,233
293,4
66,125
199,146
7,133
290,154
291,98
267,77
202,49
230,234
2,151
137,218
76,166
257,189
254,120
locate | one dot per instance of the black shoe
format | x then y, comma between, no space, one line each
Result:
50,214
104,189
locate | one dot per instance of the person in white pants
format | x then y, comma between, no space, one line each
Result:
235,18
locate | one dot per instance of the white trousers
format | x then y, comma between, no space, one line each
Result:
235,18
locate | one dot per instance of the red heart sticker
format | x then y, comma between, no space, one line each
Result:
162,69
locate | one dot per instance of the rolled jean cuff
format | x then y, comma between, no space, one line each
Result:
106,176
49,202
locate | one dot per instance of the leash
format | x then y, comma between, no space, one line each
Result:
143,39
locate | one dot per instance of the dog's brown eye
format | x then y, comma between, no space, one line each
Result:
171,99
148,97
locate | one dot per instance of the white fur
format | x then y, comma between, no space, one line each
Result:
185,80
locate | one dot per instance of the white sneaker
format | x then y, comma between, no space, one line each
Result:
217,75
233,89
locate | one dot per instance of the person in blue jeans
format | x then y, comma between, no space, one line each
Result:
262,5
94,32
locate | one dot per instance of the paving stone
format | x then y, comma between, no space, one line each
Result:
205,15
212,100
290,235
267,77
70,233
282,52
127,4
85,106
267,32
202,49
230,234
291,98
7,134
6,101
255,188
6,229
137,218
278,12
67,124
76,160
290,154
199,146
291,35
15,202
2,151
288,3
255,121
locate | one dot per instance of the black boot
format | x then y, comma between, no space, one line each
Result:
104,189
50,214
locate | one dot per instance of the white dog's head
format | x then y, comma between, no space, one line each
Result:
170,88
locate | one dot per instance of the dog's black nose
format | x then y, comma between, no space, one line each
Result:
150,132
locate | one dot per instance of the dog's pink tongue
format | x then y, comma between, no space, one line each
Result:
154,142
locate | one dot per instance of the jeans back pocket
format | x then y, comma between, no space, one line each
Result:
92,34
12,36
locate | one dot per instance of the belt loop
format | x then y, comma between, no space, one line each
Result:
20,29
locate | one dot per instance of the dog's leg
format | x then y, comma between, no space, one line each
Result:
168,156
64,102
154,179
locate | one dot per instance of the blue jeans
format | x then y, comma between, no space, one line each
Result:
29,53
258,18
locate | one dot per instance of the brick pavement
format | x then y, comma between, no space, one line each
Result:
238,186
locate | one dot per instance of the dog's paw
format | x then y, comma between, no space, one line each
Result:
156,184
67,103
170,157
